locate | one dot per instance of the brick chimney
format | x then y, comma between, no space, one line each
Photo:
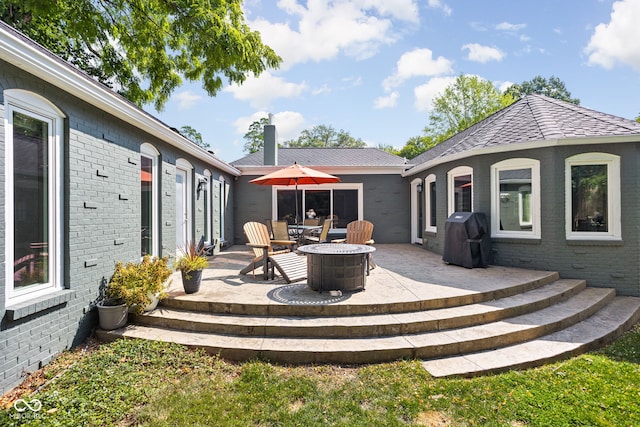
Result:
270,144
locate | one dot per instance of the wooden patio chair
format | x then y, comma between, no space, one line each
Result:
359,233
311,221
321,237
258,239
292,267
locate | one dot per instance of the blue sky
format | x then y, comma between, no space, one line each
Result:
372,67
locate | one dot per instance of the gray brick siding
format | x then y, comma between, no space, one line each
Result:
101,207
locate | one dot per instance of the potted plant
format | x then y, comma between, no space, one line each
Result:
191,262
134,286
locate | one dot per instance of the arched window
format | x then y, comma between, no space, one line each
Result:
460,189
33,195
515,198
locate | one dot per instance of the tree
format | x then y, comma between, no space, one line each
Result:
553,88
415,146
194,136
144,48
465,102
323,136
254,138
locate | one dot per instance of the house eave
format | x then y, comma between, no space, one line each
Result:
616,139
333,170
30,57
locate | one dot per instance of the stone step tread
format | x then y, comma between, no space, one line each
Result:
604,326
358,350
402,323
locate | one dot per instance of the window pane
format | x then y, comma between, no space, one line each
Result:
287,205
319,201
432,204
515,199
31,200
146,187
345,207
589,198
462,193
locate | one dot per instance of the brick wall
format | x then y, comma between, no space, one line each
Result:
101,206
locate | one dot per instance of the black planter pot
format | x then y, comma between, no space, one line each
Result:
192,283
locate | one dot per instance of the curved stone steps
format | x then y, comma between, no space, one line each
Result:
386,348
603,327
363,325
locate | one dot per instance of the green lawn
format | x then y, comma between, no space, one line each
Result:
131,382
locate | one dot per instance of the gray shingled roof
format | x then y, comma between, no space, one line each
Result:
367,156
532,118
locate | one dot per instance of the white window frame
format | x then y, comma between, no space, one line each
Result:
415,202
613,192
185,166
207,193
431,228
149,151
35,106
338,186
451,176
514,164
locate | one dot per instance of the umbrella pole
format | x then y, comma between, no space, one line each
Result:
297,224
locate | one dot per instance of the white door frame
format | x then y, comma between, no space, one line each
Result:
184,168
415,205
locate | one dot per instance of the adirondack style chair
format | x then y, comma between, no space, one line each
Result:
258,239
359,233
321,237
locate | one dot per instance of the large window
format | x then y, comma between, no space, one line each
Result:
430,203
149,200
593,196
515,196
460,185
341,202
33,141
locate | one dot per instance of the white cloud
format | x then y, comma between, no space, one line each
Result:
616,42
260,91
416,63
187,99
425,93
325,29
502,86
386,101
437,4
483,54
288,124
507,26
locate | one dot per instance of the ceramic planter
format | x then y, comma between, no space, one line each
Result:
112,316
191,283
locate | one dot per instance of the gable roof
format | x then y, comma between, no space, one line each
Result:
533,119
336,158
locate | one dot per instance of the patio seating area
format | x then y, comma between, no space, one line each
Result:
459,321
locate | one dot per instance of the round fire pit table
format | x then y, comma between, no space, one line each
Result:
337,266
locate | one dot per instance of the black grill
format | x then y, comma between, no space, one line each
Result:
466,240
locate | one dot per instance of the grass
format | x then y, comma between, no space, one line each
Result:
131,382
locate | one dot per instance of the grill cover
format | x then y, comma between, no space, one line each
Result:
466,240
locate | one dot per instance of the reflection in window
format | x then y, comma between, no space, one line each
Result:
515,199
31,200
589,198
341,205
146,211
462,193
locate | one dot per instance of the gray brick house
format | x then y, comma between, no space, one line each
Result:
87,179
558,182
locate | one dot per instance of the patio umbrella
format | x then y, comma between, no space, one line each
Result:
294,175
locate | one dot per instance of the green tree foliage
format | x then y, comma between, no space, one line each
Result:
552,87
322,136
194,136
144,48
638,118
415,146
465,102
254,138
